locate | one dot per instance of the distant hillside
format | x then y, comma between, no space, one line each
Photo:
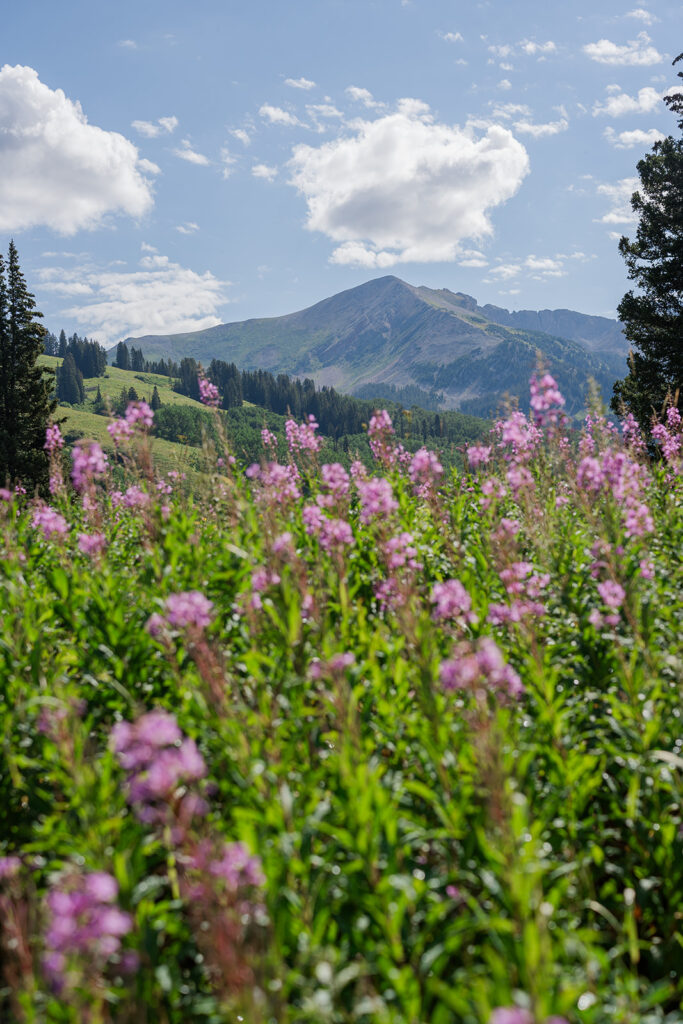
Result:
391,333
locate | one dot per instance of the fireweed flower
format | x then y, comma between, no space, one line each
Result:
478,455
425,471
518,433
139,414
50,522
119,430
89,464
612,594
160,763
278,484
188,609
482,667
91,543
303,437
208,392
135,497
83,921
400,553
546,401
452,603
335,533
336,484
313,519
9,867
380,437
376,499
510,1015
590,475
53,439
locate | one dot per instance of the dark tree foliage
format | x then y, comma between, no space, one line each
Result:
228,380
50,344
188,379
25,388
122,356
63,344
70,381
137,362
653,318
155,401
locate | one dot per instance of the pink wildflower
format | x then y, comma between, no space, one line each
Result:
139,414
50,522
478,455
89,463
376,499
53,439
452,601
425,471
91,543
208,392
188,609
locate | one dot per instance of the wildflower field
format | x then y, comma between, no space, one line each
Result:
397,745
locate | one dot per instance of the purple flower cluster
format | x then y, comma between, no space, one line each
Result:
91,543
519,434
232,864
376,499
546,400
208,392
336,485
83,921
139,414
135,497
89,464
483,667
478,455
517,1015
188,609
452,603
158,761
380,435
50,522
425,472
303,437
279,485
53,439
400,553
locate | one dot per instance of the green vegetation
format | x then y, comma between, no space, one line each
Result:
298,746
653,318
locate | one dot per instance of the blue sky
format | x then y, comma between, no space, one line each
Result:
166,166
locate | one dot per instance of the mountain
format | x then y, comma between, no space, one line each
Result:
395,335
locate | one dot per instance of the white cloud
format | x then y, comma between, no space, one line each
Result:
619,103
539,268
619,195
532,48
642,15
128,44
146,247
228,161
323,110
544,266
264,171
509,110
276,115
452,37
363,96
242,136
186,152
152,129
538,131
58,170
300,83
637,137
159,298
636,53
501,51
403,188
506,270
188,228
505,84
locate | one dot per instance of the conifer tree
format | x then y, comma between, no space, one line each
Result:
70,381
25,388
155,401
653,319
122,356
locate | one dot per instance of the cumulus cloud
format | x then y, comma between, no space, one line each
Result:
188,228
505,84
538,268
636,53
404,188
619,103
276,115
228,161
300,83
186,152
452,37
128,44
264,171
241,135
637,137
533,48
160,297
152,129
58,170
642,15
538,131
619,196
363,96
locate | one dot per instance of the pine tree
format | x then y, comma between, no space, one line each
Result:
70,381
155,401
653,319
63,346
122,356
98,404
25,388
